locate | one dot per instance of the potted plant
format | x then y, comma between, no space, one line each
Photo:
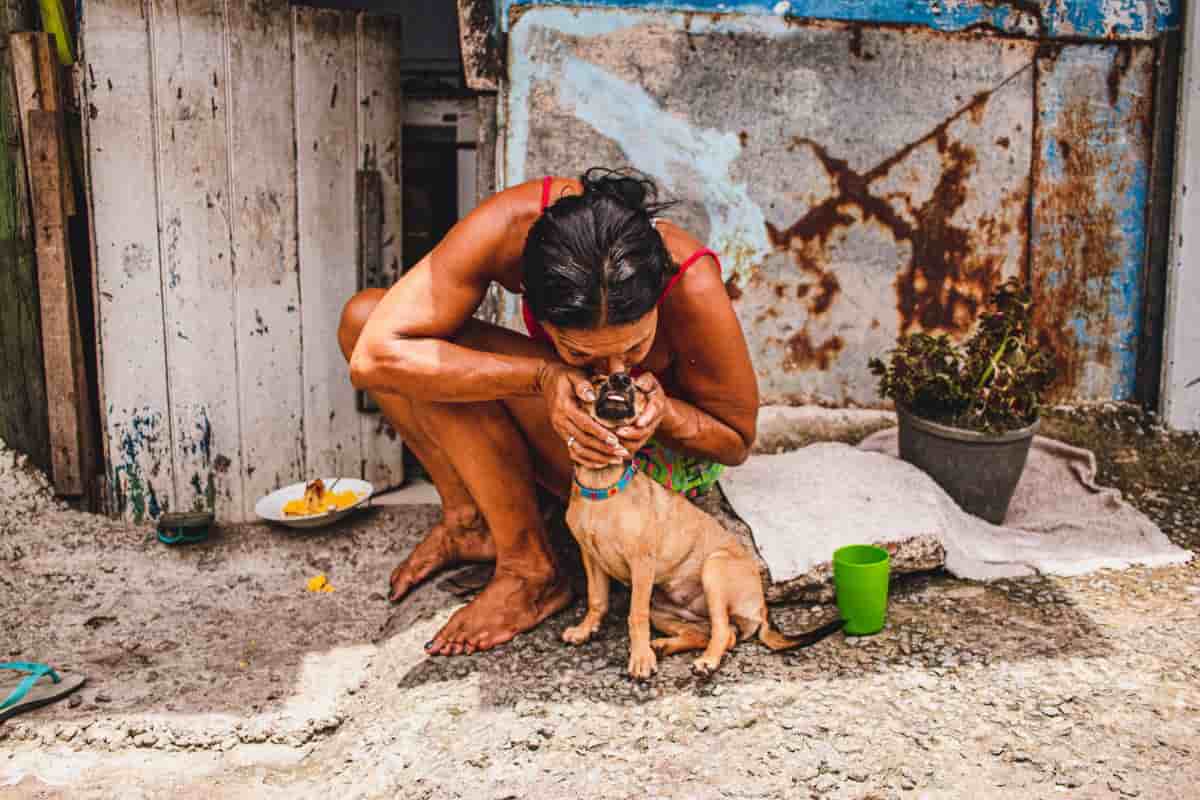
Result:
968,411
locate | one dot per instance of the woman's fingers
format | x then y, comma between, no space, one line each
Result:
593,430
587,437
583,389
632,442
587,450
594,458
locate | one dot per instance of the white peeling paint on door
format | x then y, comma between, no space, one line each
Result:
128,271
263,192
222,185
199,302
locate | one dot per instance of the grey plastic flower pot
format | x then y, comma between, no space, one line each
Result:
978,470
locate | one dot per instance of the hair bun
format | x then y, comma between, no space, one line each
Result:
627,186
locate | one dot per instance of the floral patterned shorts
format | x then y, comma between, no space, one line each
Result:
684,474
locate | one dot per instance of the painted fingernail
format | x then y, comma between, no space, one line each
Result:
429,644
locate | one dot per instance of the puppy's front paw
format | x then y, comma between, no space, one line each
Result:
579,633
642,663
705,665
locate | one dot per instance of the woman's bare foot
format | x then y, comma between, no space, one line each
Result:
510,604
462,535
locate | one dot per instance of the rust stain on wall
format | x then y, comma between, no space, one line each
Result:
1116,73
946,280
1074,277
803,354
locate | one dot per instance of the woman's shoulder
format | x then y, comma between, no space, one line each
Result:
689,253
500,224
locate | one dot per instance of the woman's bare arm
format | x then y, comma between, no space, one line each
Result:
407,345
712,368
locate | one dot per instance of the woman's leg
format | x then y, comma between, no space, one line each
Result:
461,535
479,455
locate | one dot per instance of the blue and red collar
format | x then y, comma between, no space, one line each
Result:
604,494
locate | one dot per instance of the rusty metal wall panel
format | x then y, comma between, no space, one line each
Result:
1073,19
1089,207
858,182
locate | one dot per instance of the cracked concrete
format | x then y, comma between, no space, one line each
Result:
213,673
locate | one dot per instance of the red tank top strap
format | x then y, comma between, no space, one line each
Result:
692,259
535,330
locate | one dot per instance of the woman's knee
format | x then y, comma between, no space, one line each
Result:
354,316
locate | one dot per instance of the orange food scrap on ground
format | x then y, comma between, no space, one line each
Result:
319,584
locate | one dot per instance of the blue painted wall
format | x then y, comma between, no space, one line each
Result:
1088,19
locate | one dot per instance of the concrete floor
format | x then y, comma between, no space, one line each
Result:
213,673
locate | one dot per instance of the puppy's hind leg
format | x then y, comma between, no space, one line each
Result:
715,579
681,636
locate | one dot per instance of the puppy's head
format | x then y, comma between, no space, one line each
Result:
619,400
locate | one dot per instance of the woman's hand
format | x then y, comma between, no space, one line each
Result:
635,435
588,442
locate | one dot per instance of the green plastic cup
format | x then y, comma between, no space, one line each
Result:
860,577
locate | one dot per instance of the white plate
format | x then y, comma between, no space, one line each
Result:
271,507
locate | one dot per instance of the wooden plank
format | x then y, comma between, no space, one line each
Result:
23,415
37,75
124,212
39,78
324,43
263,169
49,76
55,291
199,300
380,121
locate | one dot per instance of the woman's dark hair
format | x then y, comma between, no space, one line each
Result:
595,259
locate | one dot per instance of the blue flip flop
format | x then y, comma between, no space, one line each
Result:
29,694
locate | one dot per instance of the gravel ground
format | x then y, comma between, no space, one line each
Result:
212,673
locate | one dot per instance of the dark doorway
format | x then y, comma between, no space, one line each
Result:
430,180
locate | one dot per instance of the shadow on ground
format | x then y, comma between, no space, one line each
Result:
935,621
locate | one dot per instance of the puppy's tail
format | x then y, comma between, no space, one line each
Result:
777,641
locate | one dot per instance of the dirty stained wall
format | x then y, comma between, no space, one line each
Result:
864,180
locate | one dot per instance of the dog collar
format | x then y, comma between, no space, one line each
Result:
604,494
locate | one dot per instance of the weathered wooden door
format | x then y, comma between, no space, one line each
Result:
224,140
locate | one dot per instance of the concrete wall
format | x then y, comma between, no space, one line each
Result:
871,172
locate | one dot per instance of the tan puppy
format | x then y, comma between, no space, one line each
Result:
689,576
